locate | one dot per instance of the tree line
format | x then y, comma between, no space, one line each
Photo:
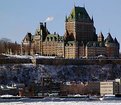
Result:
9,47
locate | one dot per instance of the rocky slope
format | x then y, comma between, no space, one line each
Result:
27,73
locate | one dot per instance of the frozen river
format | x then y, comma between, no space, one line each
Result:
61,103
37,102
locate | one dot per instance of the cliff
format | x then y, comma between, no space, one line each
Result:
27,70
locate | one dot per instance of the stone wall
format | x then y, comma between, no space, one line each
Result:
78,61
49,61
15,61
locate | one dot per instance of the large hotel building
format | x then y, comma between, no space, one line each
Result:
80,39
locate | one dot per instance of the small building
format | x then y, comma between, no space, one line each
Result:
109,88
72,89
92,88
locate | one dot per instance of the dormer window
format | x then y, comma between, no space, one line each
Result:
51,38
79,14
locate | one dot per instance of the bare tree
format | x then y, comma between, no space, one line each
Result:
8,47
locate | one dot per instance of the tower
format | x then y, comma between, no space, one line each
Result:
27,44
79,26
100,37
110,46
39,37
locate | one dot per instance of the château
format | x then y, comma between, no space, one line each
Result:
79,40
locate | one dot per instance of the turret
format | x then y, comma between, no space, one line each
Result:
112,46
100,37
109,39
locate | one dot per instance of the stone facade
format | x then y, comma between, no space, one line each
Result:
80,39
53,45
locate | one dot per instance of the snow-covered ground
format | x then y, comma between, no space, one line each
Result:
57,101
62,103
29,56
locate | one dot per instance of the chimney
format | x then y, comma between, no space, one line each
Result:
45,24
45,28
41,24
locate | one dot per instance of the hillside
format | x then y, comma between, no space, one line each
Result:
27,73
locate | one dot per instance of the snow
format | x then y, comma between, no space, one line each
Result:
17,56
51,57
7,95
62,103
29,56
17,73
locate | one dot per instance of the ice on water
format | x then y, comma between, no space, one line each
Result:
63,103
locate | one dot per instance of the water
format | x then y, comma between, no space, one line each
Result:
61,103
40,102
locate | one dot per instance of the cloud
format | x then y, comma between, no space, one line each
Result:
49,18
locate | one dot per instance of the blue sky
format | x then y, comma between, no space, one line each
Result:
17,17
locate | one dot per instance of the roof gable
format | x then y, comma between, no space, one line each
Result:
28,37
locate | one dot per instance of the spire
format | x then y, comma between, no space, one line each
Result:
109,39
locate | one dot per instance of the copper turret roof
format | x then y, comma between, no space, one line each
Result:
109,39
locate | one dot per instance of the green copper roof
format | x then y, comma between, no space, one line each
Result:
55,37
70,43
79,13
52,35
109,39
